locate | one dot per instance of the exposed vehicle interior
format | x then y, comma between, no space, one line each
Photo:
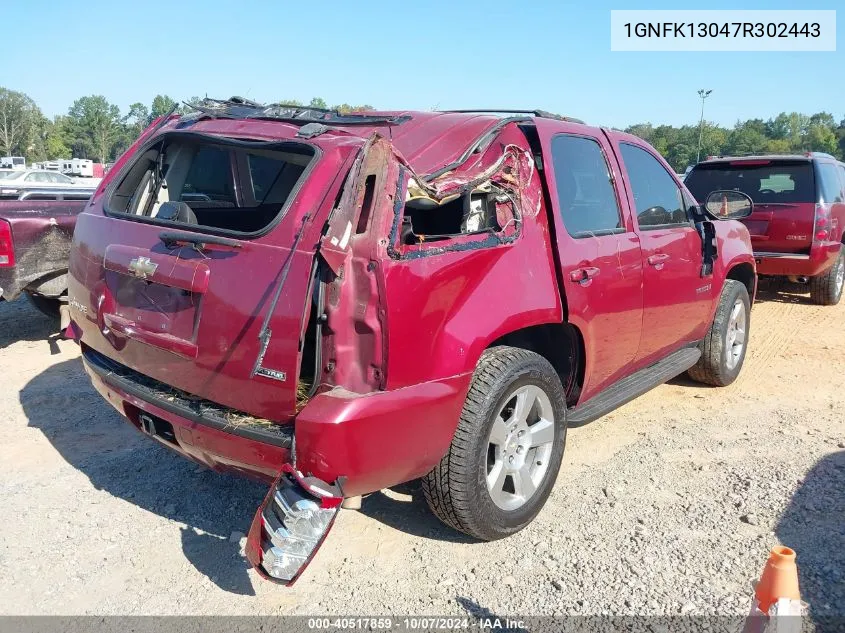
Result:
427,220
231,186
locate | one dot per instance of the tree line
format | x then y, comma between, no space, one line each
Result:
787,133
92,128
96,129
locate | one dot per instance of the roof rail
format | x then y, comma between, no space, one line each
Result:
820,155
542,114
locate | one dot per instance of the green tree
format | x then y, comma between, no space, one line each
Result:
317,102
56,143
162,104
136,119
345,108
20,119
747,137
95,126
643,130
820,138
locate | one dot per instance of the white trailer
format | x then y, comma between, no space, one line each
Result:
81,167
18,163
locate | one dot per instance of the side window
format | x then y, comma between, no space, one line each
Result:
210,177
831,189
657,197
585,193
841,169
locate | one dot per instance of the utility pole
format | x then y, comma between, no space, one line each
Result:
703,94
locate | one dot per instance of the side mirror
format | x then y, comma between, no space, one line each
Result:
725,204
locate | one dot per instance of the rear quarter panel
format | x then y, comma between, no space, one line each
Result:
445,309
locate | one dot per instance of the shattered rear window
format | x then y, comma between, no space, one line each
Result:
209,183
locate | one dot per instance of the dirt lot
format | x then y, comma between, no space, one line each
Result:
669,505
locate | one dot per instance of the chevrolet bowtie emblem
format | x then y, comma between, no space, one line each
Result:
142,267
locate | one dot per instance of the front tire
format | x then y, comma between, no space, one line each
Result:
723,348
826,289
507,449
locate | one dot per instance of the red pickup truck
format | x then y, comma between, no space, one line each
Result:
341,303
798,225
36,230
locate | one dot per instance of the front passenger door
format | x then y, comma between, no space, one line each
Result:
676,298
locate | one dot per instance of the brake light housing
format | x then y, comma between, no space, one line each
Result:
821,225
290,526
7,246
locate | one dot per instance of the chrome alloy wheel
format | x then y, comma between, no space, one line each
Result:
840,275
520,447
737,326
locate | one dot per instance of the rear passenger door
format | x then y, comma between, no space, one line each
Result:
598,250
676,299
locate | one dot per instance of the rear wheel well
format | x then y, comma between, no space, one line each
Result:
744,273
559,343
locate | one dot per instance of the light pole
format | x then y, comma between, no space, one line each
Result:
703,94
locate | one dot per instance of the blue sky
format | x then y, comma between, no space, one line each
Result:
396,55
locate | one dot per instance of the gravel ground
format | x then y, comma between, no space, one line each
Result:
669,505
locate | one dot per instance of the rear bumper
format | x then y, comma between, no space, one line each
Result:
821,257
363,442
224,449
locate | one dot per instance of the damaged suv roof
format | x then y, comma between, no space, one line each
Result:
430,142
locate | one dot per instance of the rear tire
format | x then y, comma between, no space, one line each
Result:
826,289
507,449
723,348
48,306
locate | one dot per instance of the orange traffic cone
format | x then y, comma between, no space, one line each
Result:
779,579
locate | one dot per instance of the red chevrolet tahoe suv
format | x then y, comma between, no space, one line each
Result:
798,224
341,303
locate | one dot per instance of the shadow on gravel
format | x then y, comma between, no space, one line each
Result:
20,321
776,291
412,517
94,439
813,524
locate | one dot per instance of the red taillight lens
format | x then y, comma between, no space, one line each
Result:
7,248
821,232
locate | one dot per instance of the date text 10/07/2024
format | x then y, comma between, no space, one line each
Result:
421,623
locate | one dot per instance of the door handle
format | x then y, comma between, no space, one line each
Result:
658,259
583,275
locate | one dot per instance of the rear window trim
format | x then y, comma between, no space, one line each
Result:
214,140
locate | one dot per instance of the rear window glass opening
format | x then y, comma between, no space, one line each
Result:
237,187
777,182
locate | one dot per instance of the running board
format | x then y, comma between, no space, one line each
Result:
633,386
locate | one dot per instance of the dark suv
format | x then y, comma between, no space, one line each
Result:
798,222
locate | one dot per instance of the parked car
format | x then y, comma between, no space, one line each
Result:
13,184
35,237
341,303
798,224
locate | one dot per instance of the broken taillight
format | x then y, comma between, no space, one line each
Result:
288,528
7,248
821,232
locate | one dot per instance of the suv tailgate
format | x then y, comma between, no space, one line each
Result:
784,195
189,316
